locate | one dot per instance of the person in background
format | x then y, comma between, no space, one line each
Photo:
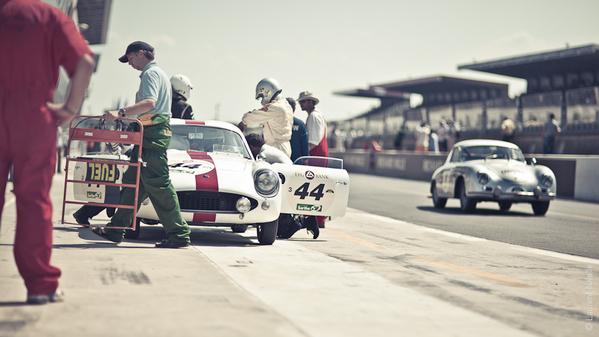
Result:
442,134
181,91
37,39
508,129
274,120
422,137
317,132
433,142
550,133
299,134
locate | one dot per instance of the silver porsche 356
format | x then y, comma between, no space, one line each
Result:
489,170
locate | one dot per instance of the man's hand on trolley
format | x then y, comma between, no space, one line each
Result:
111,115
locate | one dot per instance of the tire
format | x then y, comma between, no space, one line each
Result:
467,205
438,202
133,235
505,205
238,228
267,232
540,207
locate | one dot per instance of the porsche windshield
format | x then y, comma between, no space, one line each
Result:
490,152
203,138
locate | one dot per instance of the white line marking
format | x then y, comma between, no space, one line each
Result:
464,237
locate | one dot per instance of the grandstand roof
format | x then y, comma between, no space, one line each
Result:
436,84
94,13
374,92
575,59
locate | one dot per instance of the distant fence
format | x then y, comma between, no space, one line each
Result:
577,176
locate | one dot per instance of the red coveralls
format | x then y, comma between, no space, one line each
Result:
321,150
35,39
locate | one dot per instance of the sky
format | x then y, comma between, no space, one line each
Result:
225,47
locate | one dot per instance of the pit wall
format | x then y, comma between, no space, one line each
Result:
577,175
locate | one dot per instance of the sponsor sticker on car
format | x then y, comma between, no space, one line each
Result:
309,208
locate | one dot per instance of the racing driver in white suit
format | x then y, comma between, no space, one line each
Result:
274,120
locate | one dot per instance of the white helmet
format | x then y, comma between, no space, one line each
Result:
181,85
267,89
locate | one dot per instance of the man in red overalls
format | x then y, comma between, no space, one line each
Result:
317,134
36,38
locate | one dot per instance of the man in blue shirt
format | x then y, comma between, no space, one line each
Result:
152,108
299,135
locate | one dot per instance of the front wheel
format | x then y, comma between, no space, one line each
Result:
438,202
540,207
238,228
467,205
267,232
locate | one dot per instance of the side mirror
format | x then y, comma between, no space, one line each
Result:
533,161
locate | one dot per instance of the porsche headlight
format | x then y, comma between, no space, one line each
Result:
546,181
483,178
266,182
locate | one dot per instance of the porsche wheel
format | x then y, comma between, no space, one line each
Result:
438,202
467,205
133,235
239,228
505,205
267,232
540,207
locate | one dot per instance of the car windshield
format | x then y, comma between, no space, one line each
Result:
491,152
203,138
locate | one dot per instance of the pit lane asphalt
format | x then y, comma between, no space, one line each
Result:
569,226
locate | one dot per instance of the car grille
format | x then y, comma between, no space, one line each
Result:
210,201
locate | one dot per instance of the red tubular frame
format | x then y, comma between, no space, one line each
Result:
110,136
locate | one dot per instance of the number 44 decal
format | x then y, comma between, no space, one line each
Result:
317,192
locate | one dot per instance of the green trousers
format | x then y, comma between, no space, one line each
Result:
156,184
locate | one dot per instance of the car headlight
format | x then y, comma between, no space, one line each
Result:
546,180
243,205
483,178
266,182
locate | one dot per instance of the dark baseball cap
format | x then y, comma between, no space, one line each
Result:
135,46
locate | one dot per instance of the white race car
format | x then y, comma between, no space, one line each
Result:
219,183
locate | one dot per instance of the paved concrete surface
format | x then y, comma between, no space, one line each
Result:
366,275
569,227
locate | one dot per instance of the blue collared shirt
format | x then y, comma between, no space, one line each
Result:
155,85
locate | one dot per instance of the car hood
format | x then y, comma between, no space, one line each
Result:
216,172
512,170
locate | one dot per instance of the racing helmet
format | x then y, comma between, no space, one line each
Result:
267,89
181,85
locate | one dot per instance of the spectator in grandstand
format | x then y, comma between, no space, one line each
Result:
508,129
299,134
433,142
551,130
422,136
442,134
453,134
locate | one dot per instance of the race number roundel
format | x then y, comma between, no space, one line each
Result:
196,167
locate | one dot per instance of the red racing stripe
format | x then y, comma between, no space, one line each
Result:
204,217
190,122
207,181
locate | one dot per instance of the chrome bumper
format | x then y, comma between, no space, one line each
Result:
498,194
